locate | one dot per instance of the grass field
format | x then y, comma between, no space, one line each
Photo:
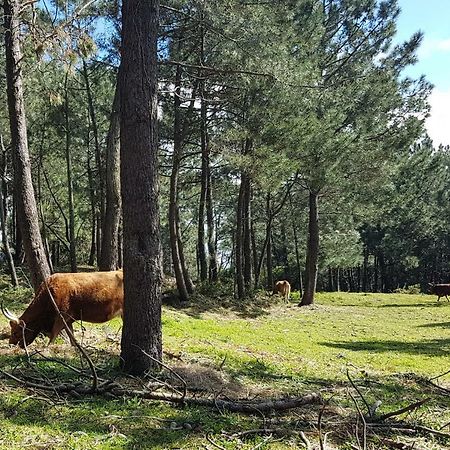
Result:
390,344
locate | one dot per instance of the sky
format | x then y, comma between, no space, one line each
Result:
432,17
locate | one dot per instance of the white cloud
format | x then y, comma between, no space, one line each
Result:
430,46
438,124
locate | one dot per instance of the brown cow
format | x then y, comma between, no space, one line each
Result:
283,288
441,290
92,297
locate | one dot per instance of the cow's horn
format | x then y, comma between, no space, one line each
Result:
9,315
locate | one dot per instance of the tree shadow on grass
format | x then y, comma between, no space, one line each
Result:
123,423
435,325
249,308
431,347
410,305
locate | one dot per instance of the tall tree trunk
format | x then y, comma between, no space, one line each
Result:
202,262
109,257
141,346
101,207
247,239
212,251
375,274
71,234
41,211
3,217
26,203
297,257
239,247
93,246
365,274
173,195
269,261
312,251
187,277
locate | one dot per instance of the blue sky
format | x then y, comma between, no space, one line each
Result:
432,17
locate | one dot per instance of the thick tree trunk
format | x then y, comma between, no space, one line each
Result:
312,251
3,218
109,256
26,203
141,346
173,195
71,231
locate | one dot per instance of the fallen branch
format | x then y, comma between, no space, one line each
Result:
229,405
410,407
409,428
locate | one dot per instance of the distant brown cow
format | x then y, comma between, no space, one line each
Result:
92,297
283,288
441,290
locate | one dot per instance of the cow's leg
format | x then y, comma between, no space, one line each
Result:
58,326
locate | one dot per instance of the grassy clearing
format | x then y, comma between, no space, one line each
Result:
263,348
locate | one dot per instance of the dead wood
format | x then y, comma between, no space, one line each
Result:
117,390
410,407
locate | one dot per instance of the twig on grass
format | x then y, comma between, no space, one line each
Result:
363,420
440,376
305,440
171,371
369,412
210,440
408,408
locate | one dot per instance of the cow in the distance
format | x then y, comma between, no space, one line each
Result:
441,290
88,296
283,288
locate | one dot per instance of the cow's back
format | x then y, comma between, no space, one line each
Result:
89,296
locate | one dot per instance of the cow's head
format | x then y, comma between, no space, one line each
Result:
20,333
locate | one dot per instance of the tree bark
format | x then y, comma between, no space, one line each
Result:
297,257
26,203
98,160
212,250
173,195
247,239
201,253
3,218
239,270
312,251
142,257
269,261
71,231
109,255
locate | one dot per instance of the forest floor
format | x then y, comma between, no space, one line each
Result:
355,350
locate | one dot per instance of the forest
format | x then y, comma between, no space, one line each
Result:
281,126
215,148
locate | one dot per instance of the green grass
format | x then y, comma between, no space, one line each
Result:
264,348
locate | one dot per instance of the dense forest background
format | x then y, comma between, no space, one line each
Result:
292,145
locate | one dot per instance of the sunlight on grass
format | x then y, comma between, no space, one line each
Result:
260,348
